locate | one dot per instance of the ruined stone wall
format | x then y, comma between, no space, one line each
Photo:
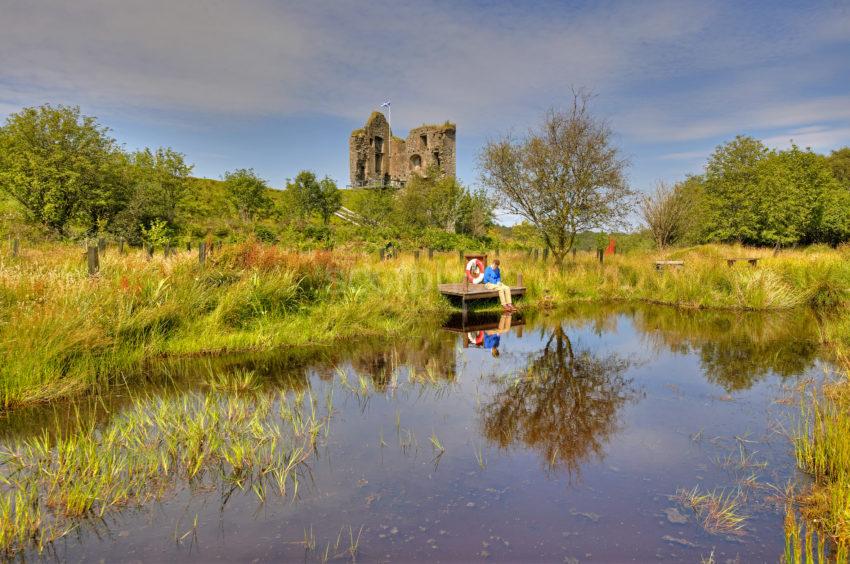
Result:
377,158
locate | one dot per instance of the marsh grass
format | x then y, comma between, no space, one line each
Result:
252,443
64,333
717,512
823,451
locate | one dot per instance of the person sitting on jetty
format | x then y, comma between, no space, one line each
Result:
493,281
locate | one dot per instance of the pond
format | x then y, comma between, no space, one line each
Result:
580,435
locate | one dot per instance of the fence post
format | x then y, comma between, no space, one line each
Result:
121,246
460,255
600,254
93,260
16,246
430,254
188,246
202,253
519,279
101,245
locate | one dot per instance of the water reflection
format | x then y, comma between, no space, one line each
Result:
735,349
564,405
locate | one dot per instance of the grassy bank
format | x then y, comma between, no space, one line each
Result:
823,452
63,332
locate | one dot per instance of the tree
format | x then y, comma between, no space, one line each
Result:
839,162
158,184
162,180
315,196
664,212
248,193
792,186
564,177
731,191
55,162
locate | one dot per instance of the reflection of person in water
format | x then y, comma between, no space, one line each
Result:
493,338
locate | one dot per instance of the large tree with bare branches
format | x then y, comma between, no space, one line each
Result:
665,213
564,177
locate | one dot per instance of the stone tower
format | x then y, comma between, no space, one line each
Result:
377,158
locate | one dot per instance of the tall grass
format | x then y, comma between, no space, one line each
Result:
62,332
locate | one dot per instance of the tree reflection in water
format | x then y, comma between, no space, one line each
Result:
564,406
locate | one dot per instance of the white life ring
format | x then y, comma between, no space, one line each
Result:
475,271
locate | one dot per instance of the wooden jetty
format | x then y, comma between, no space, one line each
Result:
465,292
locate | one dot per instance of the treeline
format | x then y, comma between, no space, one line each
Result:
756,196
70,178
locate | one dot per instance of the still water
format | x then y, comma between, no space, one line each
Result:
558,438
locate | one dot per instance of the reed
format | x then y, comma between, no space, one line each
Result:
242,441
717,512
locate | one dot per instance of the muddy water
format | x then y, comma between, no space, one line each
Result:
559,438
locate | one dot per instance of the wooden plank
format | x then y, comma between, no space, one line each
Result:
475,291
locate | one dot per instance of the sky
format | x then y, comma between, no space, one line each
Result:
278,86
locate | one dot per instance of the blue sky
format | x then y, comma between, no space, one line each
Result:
278,86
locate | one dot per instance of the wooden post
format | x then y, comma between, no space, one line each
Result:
16,246
93,260
121,246
519,279
430,254
188,246
460,255
600,254
202,253
101,245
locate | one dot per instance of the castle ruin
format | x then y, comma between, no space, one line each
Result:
377,158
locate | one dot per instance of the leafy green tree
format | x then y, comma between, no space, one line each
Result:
248,193
791,188
56,162
432,200
731,191
158,186
315,196
839,162
162,180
